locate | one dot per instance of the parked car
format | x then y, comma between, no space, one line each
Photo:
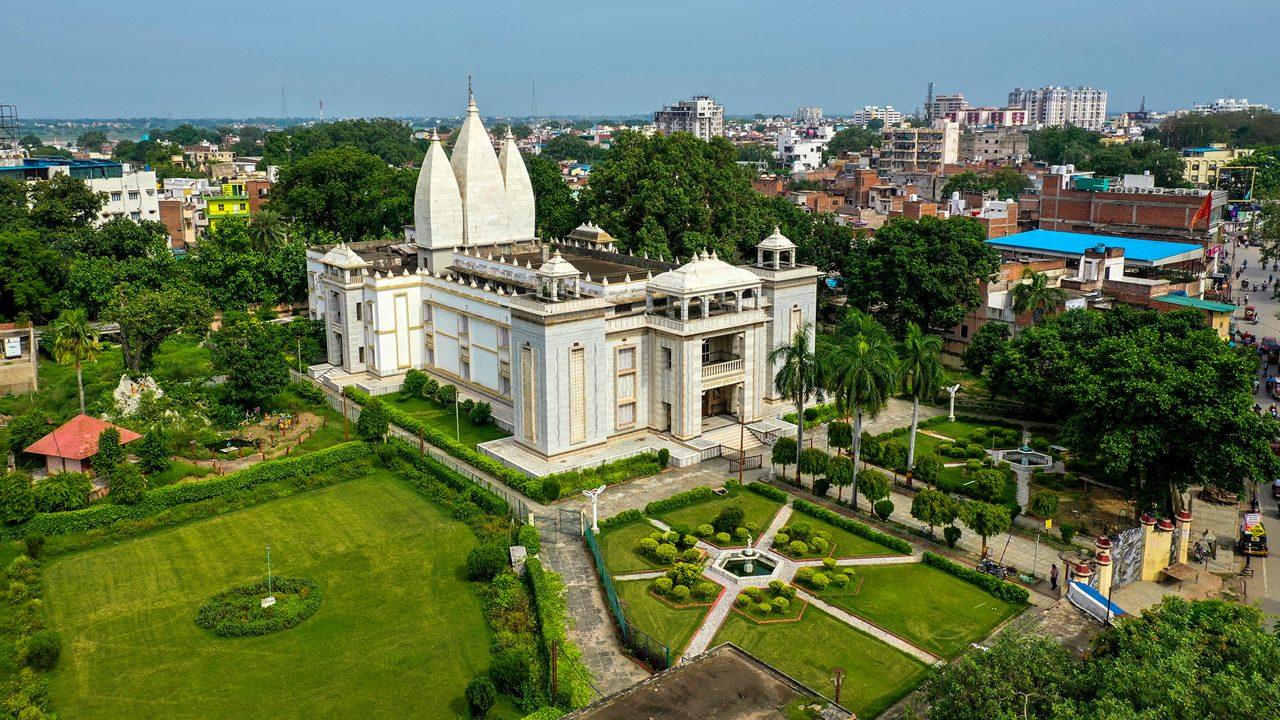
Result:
1269,344
1275,489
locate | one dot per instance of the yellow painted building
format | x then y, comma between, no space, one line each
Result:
233,202
1202,163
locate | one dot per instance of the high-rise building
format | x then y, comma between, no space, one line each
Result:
809,115
942,105
908,149
1226,105
700,116
1052,106
885,114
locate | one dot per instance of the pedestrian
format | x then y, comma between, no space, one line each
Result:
1053,578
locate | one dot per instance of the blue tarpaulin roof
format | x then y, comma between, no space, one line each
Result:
1136,251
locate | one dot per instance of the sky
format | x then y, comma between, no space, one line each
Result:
136,58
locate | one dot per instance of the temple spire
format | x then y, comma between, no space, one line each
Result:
471,96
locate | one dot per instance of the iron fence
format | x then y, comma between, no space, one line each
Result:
639,643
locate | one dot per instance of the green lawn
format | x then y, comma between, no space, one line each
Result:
847,545
399,633
621,548
673,627
878,675
178,471
932,609
925,444
755,508
953,480
442,418
961,428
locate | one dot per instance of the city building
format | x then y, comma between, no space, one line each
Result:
231,202
18,364
1133,208
700,117
886,115
801,149
908,149
1227,105
988,117
945,105
1200,165
1052,106
574,343
127,192
185,221
809,115
993,145
201,155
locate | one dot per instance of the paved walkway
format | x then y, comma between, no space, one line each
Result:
711,624
874,631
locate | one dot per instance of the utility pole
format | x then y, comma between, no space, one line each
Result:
344,418
838,673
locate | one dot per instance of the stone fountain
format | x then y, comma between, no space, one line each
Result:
747,562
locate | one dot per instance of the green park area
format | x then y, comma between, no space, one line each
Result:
442,418
384,643
877,674
621,549
843,544
672,626
757,510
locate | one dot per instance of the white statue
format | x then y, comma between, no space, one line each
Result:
951,415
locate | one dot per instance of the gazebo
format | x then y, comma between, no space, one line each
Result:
71,447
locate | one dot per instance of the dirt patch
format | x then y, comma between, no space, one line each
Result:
1099,511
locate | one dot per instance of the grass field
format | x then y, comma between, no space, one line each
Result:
673,627
621,549
847,545
442,418
953,480
399,633
878,675
932,609
960,428
755,508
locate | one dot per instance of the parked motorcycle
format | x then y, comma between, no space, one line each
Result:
990,567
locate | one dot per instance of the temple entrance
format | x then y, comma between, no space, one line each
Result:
716,401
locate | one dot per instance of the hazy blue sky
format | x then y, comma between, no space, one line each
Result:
410,57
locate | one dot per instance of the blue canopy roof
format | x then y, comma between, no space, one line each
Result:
1136,251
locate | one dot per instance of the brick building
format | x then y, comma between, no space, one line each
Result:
1128,210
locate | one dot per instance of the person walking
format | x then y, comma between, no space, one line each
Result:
1053,578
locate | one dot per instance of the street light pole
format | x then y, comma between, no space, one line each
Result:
595,506
457,421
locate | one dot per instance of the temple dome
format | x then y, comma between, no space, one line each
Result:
704,273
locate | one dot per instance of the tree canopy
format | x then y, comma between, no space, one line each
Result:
391,141
1085,150
571,146
345,191
247,351
1249,128
555,209
1007,182
853,140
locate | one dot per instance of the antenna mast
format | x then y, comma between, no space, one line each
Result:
321,109
284,106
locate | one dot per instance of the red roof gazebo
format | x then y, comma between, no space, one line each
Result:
68,448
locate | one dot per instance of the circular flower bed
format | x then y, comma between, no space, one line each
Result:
238,612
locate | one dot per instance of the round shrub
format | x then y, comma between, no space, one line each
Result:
740,533
664,458
781,539
975,450
979,436
510,669
480,696
727,519
829,563
666,553
680,593
663,585
840,579
951,534
672,537
688,541
776,585
648,546
805,575
796,547
781,603
820,545
238,612
742,601
753,593
821,486
705,590
692,555
43,650
820,581
801,530
788,592
485,562
884,509
722,538
658,536
764,608
550,488
705,530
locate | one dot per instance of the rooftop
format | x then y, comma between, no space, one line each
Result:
47,162
77,439
1068,244
1187,301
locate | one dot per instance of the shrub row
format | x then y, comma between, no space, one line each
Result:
570,482
768,491
679,500
511,478
1000,588
626,517
162,498
547,590
853,526
488,500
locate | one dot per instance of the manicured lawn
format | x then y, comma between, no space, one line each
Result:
963,429
755,508
953,480
673,627
925,444
878,675
178,471
621,549
399,633
932,609
442,418
847,545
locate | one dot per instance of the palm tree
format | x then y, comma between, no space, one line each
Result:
75,342
798,378
267,231
1037,295
861,372
921,371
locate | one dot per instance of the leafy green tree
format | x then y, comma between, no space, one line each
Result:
924,271
128,486
391,141
987,484
17,500
110,451
1008,183
784,453
933,507
24,430
860,372
874,485
1266,180
75,342
853,140
840,474
985,519
63,202
63,491
920,368
840,435
149,317
31,273
927,469
571,146
154,451
985,345
30,140
798,377
345,191
755,153
247,351
1021,676
91,140
813,461
374,423
555,208
1037,296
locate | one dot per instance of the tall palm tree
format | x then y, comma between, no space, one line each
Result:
861,371
798,377
1037,296
266,231
921,371
75,342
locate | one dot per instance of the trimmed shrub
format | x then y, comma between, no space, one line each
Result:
797,547
705,530
626,517
740,533
485,562
1000,588
680,593
705,590
649,546
820,545
446,394
481,695
821,486
128,486
414,382
764,608
829,563
688,541
781,604
805,575
510,669
238,612
664,458
801,530
687,574
820,581
754,593
528,537
692,555
672,537
679,500
742,601
728,519
43,650
788,592
374,421
550,488
723,538
768,491
840,579
776,585
663,585
781,539
884,509
666,553
951,534
852,526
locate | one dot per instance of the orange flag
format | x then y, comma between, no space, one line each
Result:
1203,212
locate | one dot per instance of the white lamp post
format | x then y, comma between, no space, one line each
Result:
595,506
951,415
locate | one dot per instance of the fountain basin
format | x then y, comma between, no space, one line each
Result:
758,566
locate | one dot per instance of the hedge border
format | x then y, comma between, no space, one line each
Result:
853,526
768,491
485,498
644,464
626,517
1001,589
552,616
684,499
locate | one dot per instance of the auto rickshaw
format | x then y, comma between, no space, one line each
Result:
1251,314
1253,536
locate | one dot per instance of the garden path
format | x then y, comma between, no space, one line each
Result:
711,624
873,630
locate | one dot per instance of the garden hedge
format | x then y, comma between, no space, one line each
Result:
485,498
853,526
1000,588
679,500
162,498
548,600
511,478
546,713
626,517
570,482
768,491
